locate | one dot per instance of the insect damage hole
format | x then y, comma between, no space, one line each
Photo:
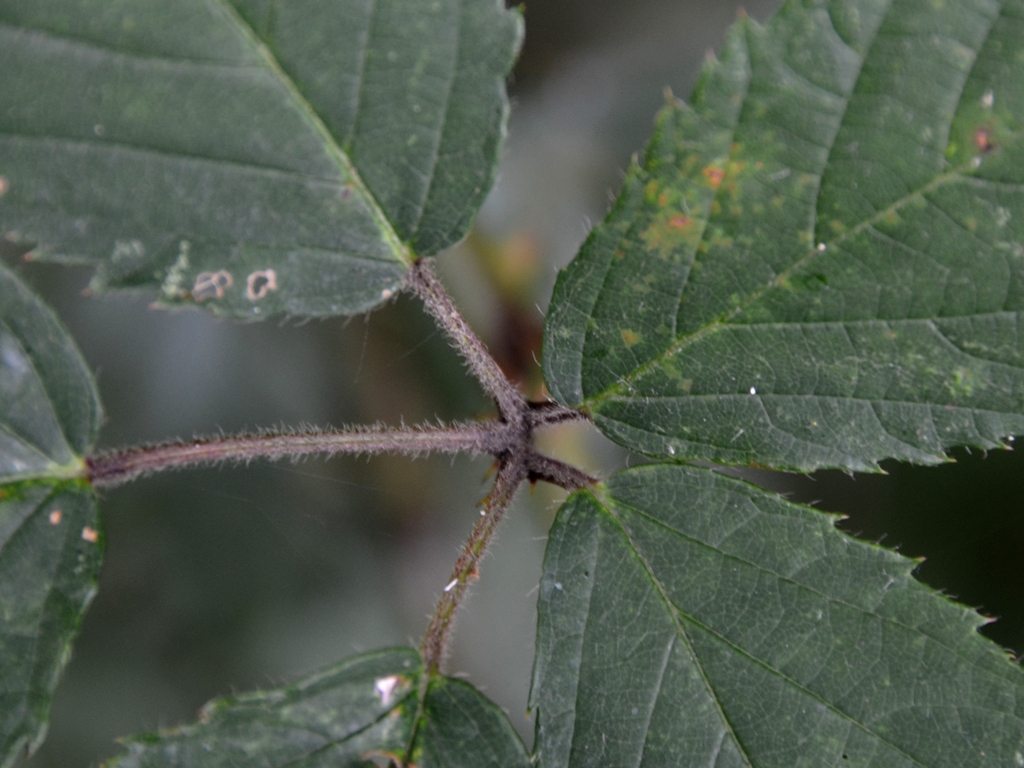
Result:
258,284
211,285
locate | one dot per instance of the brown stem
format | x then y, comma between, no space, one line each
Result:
510,476
550,412
424,283
107,470
541,467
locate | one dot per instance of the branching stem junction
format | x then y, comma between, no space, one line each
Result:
509,438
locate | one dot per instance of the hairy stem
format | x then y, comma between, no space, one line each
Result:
510,476
424,283
107,470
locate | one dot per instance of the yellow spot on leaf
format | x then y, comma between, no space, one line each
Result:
630,338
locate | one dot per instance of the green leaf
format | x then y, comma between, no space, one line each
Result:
50,554
690,619
50,548
49,409
250,156
820,262
363,708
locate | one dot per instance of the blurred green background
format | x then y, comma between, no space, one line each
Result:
228,579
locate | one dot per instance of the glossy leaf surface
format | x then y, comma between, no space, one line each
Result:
362,709
50,554
50,548
49,409
250,156
690,619
820,262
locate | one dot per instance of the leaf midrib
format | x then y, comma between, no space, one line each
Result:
677,613
623,385
402,252
112,50
288,173
331,743
617,502
674,614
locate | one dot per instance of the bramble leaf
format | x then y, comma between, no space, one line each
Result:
50,555
690,619
250,156
49,409
50,549
820,262
364,708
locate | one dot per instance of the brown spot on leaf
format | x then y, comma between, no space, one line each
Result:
258,284
983,140
55,517
90,534
630,338
679,221
211,285
713,175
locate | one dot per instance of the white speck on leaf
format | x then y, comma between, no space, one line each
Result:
386,294
385,688
171,288
822,247
975,162
988,101
55,517
671,450
753,390
90,534
558,586
451,585
98,129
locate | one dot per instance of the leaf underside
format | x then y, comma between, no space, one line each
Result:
250,156
748,631
362,709
820,261
50,554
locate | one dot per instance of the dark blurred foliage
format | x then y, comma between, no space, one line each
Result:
227,579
